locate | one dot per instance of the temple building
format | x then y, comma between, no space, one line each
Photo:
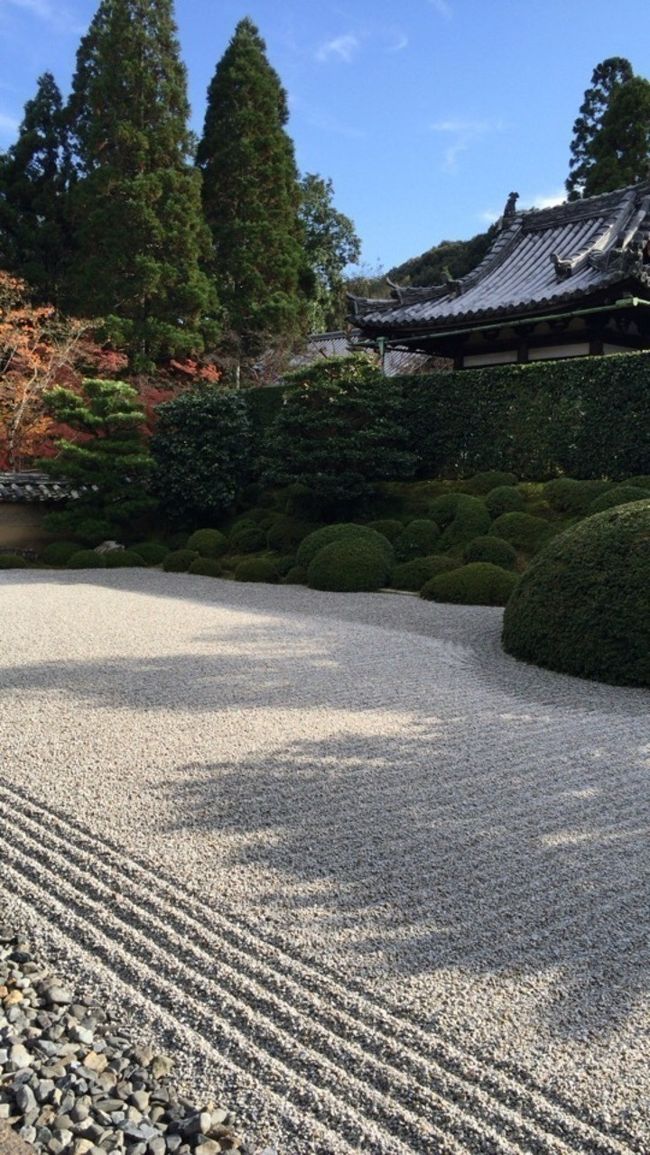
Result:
568,281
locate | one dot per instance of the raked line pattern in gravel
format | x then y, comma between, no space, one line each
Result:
342,1064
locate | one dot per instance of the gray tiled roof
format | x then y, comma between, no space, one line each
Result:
32,486
541,258
397,362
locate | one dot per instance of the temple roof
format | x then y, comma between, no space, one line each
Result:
541,259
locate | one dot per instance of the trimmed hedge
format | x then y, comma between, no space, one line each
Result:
583,606
483,483
151,552
567,495
297,576
471,520
13,561
315,541
123,558
208,542
257,569
417,539
389,527
478,584
504,499
619,495
179,560
412,575
523,531
286,533
206,567
86,559
247,540
349,565
59,552
493,549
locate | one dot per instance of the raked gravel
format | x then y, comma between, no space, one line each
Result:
374,885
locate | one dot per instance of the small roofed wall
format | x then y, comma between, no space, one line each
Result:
21,526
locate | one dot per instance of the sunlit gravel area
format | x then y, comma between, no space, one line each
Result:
374,885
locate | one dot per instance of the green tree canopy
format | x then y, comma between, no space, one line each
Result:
139,229
251,195
621,148
331,243
34,179
606,78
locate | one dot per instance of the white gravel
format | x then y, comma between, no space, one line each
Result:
377,885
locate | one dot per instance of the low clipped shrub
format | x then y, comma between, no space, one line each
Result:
151,552
179,560
349,565
123,558
297,576
315,541
91,530
492,549
412,575
503,499
619,495
417,539
571,496
388,527
583,606
488,479
207,542
206,567
13,561
284,563
248,540
442,509
86,559
286,533
477,584
58,552
470,520
523,531
257,569
642,480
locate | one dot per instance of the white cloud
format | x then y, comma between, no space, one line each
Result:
547,200
465,132
443,8
343,47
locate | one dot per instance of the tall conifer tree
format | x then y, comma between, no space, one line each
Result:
139,229
35,176
606,78
621,148
251,194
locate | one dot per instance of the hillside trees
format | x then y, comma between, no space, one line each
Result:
251,195
331,243
136,209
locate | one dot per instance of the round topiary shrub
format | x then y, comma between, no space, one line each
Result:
286,533
503,499
482,483
247,540
315,541
412,575
492,549
349,565
151,552
523,531
619,495
58,552
86,559
583,606
388,527
478,584
284,563
13,561
256,569
442,509
297,576
206,567
179,560
471,520
123,558
207,542
418,539
571,496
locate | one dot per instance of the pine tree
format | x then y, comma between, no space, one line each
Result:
621,148
139,231
35,176
331,243
606,78
251,194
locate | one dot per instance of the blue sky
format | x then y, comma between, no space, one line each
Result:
424,113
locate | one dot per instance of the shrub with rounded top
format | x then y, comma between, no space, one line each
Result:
418,539
247,540
207,542
572,496
256,569
523,531
151,552
477,584
284,563
315,541
411,575
179,560
13,561
492,549
206,567
349,565
297,576
122,558
443,509
389,527
58,552
482,483
583,606
471,520
286,533
619,495
86,559
503,499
